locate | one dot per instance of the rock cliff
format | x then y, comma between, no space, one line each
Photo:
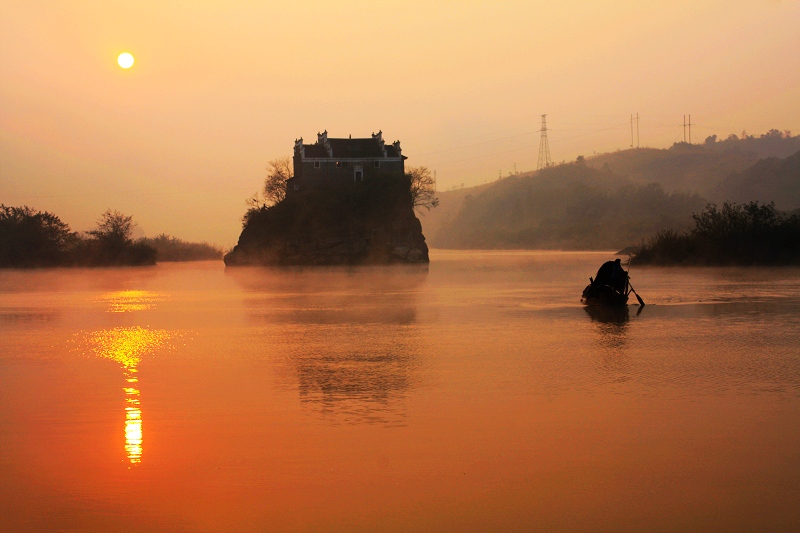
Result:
365,223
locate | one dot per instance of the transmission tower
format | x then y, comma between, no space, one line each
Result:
635,120
544,146
689,124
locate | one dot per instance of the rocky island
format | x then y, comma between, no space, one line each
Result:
340,201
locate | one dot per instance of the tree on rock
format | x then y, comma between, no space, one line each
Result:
423,188
278,171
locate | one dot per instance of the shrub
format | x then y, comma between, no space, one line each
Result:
742,234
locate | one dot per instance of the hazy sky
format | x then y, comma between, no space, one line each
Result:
218,89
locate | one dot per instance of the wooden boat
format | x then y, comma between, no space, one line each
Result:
597,294
610,288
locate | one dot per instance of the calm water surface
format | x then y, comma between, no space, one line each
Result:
475,394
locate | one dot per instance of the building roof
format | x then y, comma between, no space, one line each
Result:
315,150
348,148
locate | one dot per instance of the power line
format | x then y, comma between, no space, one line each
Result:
462,146
525,147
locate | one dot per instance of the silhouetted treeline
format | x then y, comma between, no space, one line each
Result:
33,238
30,238
748,234
174,249
569,206
773,143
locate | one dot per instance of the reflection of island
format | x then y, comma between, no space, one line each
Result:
349,335
127,346
354,295
358,376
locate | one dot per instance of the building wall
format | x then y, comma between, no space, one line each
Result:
308,175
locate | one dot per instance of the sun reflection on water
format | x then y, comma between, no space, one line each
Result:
127,346
127,301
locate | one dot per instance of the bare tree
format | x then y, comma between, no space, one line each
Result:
274,191
278,171
423,188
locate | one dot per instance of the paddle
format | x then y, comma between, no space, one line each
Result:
641,302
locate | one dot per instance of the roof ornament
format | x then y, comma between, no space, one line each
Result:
379,137
322,139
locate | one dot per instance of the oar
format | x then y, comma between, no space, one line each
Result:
641,302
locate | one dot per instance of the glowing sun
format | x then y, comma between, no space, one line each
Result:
125,60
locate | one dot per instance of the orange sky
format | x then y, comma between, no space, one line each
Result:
220,88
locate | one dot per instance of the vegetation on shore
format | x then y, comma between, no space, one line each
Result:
31,238
735,234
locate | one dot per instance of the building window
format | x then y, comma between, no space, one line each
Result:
338,164
377,164
297,186
358,175
316,164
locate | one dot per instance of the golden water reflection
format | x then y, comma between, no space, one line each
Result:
128,301
127,346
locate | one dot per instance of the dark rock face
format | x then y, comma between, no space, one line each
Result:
369,223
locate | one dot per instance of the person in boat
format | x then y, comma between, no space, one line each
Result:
612,274
610,287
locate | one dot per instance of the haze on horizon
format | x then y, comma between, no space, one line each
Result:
218,89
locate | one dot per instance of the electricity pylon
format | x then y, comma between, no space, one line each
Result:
544,146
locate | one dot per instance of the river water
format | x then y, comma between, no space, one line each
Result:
473,394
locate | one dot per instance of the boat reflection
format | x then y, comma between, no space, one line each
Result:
127,346
617,316
612,324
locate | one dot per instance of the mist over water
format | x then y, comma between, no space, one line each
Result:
475,393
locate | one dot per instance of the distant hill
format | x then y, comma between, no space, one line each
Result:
769,180
696,168
450,203
615,200
569,206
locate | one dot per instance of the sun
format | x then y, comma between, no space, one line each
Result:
125,60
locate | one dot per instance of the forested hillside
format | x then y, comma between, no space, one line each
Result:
769,180
615,200
569,206
697,167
